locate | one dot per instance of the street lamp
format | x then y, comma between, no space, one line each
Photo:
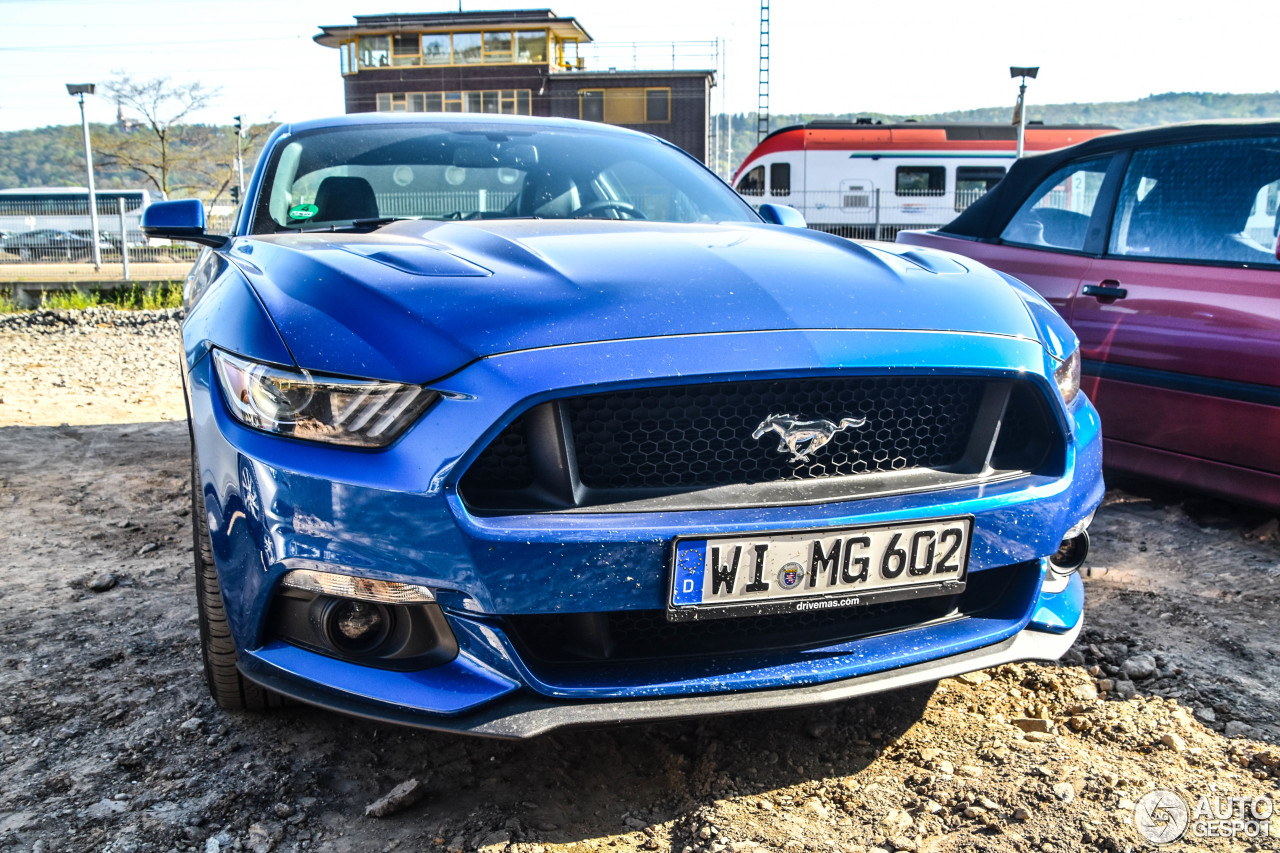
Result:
80,90
1020,113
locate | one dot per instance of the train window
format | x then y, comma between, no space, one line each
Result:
1057,213
780,179
973,182
752,182
921,180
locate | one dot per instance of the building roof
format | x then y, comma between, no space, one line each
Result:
565,28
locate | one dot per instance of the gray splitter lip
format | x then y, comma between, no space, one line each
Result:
526,715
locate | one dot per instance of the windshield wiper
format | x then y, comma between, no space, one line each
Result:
372,222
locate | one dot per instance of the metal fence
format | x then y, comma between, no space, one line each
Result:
60,231
870,214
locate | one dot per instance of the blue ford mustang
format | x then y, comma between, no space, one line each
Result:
504,424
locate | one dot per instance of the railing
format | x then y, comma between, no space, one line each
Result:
647,56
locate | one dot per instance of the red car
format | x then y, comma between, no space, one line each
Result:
1159,248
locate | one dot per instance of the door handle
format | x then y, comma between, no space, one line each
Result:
1107,290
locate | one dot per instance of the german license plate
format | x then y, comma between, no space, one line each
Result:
817,570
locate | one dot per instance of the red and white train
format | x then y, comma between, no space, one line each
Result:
870,180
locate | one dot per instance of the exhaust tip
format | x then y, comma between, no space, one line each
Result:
1071,554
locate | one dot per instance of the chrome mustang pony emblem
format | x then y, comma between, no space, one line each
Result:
812,434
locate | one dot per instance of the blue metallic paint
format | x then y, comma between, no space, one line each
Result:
502,315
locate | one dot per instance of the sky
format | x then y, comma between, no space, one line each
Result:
826,55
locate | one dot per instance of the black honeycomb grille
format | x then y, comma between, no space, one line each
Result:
697,436
505,462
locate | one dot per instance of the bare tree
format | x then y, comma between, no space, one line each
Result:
162,147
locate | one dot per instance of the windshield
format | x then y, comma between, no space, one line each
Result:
351,176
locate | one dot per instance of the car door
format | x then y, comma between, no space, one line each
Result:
1048,243
1179,320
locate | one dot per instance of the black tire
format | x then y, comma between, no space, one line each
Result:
231,690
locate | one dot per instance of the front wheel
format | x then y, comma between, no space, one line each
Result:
231,690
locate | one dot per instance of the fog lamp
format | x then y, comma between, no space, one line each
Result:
356,626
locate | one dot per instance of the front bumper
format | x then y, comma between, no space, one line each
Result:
396,515
525,714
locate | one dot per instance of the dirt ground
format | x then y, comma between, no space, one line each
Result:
109,742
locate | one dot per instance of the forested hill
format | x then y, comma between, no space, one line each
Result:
53,156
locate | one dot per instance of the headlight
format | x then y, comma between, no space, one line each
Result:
296,403
1067,375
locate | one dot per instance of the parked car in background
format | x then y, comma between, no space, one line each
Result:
502,424
48,243
1159,247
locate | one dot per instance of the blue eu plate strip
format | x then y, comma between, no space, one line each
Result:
690,562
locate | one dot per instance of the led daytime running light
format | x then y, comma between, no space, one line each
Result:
330,409
361,589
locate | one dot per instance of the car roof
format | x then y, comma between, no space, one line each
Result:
461,119
990,212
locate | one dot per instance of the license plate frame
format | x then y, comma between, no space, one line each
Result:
689,562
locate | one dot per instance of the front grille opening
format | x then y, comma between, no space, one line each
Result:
1029,439
702,435
640,635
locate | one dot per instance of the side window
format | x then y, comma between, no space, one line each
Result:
1057,213
780,179
1209,201
752,182
973,182
920,180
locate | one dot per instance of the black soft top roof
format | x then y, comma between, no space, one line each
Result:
986,216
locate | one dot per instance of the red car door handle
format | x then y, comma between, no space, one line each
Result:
1107,290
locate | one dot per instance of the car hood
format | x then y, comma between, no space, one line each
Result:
415,300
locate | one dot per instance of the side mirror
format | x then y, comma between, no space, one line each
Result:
780,214
179,220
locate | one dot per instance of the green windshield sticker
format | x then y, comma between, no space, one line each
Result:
303,211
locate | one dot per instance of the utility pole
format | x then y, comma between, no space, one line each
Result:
1020,112
80,90
762,91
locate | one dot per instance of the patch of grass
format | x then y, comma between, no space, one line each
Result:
132,298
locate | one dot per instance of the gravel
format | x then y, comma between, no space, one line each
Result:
108,741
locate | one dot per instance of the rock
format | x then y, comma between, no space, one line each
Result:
1235,728
1084,693
1207,715
1021,814
105,808
1106,685
1032,724
896,821
634,822
263,836
901,842
970,770
813,804
1125,690
974,812
974,678
397,799
932,807
1073,656
818,730
103,582
1038,737
1139,667
988,804
282,810
1173,741
147,549
494,842
945,768
1064,791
